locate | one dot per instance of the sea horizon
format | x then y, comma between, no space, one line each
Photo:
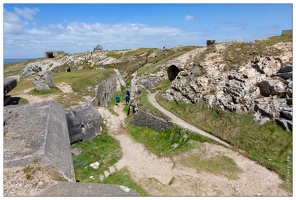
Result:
14,60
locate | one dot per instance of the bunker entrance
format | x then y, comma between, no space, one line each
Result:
173,72
49,55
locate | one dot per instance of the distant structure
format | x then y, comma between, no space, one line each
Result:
287,32
53,54
98,48
210,42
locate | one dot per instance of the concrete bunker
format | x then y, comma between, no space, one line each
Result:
173,72
53,54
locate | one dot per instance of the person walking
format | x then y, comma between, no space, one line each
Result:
127,99
117,98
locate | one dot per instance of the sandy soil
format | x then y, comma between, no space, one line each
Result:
154,174
168,177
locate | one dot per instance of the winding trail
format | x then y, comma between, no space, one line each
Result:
168,176
180,122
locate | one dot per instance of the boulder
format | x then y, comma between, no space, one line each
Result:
44,80
9,84
286,124
270,87
41,86
47,77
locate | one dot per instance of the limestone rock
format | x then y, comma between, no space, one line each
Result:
44,80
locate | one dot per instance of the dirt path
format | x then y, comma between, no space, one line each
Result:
168,177
180,122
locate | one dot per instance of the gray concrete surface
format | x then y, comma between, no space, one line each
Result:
66,189
37,133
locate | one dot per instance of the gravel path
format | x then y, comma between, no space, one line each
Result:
167,176
164,176
180,122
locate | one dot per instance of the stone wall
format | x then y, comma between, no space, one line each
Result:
84,122
105,91
142,118
37,132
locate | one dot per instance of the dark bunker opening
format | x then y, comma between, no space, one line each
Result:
173,72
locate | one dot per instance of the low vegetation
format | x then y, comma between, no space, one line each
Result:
269,144
218,165
166,142
107,151
238,53
83,81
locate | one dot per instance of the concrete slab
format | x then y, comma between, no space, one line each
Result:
37,133
63,189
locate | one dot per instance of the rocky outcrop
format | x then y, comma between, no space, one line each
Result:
84,122
9,84
237,91
44,80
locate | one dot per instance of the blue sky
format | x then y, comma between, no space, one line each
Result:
31,29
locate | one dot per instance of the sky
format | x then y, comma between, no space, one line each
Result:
29,30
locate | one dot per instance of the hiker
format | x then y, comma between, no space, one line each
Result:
128,93
127,99
117,100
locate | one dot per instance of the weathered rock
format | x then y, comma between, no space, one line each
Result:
287,113
234,90
47,77
41,86
44,80
286,124
105,91
84,122
95,165
9,84
120,79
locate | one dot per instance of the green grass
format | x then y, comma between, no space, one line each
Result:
239,53
81,79
269,144
145,105
52,90
162,58
107,151
104,149
218,165
166,142
112,102
123,178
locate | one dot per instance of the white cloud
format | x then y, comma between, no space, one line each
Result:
73,37
27,13
189,17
